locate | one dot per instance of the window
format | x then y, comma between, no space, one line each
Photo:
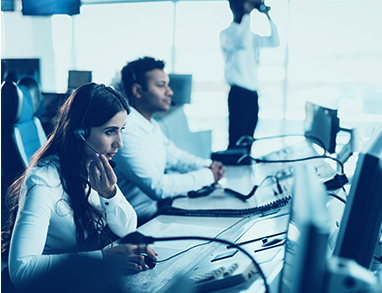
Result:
326,55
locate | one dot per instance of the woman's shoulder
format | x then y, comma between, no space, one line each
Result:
45,172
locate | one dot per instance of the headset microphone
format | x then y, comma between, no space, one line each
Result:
80,134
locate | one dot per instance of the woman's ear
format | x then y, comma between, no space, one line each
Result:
136,89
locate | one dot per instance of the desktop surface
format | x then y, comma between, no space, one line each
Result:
261,234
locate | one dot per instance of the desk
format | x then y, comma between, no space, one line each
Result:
167,275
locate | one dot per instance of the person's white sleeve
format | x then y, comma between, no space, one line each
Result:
120,215
182,161
273,40
26,259
136,164
235,39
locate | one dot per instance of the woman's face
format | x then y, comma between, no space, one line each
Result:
106,139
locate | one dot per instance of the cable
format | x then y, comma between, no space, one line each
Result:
200,244
138,238
252,192
204,191
247,139
254,211
291,160
337,197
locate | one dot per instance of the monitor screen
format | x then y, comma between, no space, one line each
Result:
181,85
7,5
321,125
360,227
308,230
50,7
77,78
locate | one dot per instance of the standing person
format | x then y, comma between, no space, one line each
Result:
241,51
143,164
67,206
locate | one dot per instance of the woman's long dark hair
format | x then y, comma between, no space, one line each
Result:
91,105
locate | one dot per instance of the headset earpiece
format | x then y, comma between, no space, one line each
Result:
81,133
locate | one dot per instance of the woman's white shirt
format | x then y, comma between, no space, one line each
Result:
45,233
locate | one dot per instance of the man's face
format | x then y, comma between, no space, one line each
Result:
157,94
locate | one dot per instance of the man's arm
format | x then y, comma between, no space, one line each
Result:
147,169
183,162
273,40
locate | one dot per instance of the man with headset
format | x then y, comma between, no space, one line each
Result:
147,153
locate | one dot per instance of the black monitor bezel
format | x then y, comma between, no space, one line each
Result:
360,225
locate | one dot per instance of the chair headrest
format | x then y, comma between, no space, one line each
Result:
34,91
19,102
11,103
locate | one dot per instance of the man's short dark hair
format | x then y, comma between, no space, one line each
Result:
135,72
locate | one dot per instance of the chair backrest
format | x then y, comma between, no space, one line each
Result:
22,132
28,131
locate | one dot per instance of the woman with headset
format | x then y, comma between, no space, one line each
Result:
66,207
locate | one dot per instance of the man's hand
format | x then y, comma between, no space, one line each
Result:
254,4
218,170
250,5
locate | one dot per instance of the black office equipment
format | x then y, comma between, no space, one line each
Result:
77,78
308,231
204,191
261,7
230,157
150,263
50,7
360,228
321,125
245,197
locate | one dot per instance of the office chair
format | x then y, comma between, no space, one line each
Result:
22,132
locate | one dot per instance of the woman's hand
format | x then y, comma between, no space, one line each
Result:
102,177
129,257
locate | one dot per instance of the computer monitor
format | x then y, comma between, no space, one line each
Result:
307,237
7,5
360,227
181,85
321,125
77,78
50,7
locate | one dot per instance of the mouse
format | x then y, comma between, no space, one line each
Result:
150,263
